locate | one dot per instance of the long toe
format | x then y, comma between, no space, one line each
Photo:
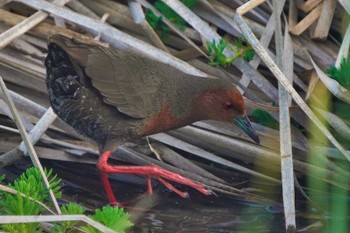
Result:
151,171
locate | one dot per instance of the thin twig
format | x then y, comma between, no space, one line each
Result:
30,148
39,129
13,191
25,25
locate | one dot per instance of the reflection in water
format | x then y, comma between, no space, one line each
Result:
217,215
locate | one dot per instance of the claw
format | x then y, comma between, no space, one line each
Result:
172,188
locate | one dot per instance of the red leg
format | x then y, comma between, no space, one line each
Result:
149,186
172,188
108,189
149,171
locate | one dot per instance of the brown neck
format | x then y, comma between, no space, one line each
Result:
187,96
205,104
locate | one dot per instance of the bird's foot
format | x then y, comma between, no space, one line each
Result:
150,171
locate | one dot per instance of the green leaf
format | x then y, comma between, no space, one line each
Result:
264,118
29,183
112,217
215,51
240,49
157,22
341,74
248,54
68,226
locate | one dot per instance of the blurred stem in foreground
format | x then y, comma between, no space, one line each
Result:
329,200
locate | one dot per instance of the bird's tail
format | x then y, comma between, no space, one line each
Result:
62,79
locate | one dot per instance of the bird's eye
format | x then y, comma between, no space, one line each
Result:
228,105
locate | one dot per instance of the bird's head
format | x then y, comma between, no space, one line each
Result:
225,104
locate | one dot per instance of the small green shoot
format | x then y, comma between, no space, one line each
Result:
341,74
68,226
31,185
240,48
157,22
112,217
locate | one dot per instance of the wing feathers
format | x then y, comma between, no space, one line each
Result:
134,84
124,81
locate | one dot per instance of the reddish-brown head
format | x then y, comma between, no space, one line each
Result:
221,104
224,104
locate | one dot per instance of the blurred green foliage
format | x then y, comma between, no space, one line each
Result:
341,74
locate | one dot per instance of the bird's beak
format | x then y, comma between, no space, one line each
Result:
244,124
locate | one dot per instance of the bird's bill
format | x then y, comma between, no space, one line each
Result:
244,124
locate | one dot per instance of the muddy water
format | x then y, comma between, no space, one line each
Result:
167,212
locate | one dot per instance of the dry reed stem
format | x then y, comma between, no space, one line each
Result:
321,30
308,5
27,142
24,26
281,78
284,57
249,6
307,21
55,218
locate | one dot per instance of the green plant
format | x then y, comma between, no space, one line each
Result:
264,118
341,74
157,22
31,185
112,217
31,190
239,47
68,226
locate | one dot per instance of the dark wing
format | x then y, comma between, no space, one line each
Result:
132,83
129,82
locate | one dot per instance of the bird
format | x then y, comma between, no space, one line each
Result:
113,97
